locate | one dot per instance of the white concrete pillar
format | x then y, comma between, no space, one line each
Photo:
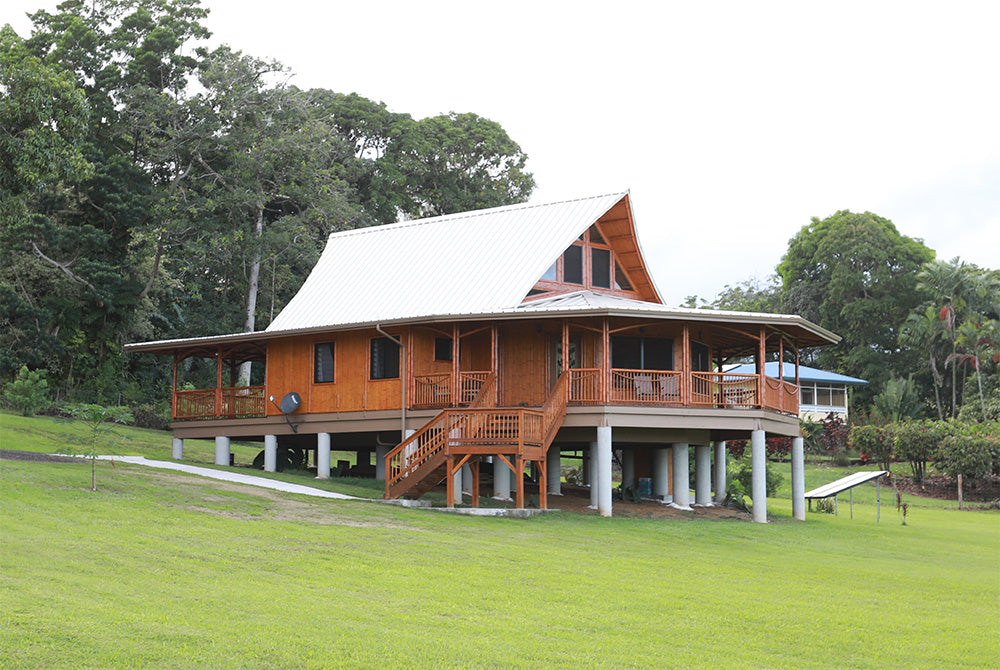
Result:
177,449
758,476
380,453
661,474
501,480
682,487
798,479
467,480
410,448
553,470
702,475
604,458
221,450
322,455
720,472
628,469
592,482
457,482
270,453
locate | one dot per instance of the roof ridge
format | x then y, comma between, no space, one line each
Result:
467,215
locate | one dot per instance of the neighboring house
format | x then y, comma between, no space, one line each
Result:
820,392
509,336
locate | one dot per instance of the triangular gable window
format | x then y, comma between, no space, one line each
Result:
588,263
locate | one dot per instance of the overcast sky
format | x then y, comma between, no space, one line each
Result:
731,123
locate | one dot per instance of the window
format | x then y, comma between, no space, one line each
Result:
573,265
595,236
642,353
600,268
552,273
323,362
699,357
442,348
807,395
621,281
384,358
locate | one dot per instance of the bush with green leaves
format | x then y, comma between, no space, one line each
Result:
740,481
873,443
969,449
916,442
29,392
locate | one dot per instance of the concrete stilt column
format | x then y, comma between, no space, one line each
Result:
467,480
661,474
322,455
380,453
798,479
628,469
758,476
702,475
592,482
720,472
270,453
553,470
501,480
177,449
682,487
221,450
603,461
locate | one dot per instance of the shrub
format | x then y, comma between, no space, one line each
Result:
873,443
917,442
971,450
29,392
742,474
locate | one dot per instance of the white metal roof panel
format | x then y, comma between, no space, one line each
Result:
844,483
483,261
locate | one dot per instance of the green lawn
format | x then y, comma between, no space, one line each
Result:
160,569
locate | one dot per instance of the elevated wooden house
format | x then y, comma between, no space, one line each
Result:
512,336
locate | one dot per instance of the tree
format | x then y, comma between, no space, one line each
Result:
751,295
855,274
97,417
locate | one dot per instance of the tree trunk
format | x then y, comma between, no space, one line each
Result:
252,288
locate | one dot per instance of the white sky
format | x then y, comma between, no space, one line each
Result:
731,123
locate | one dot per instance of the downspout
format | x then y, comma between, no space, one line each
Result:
402,413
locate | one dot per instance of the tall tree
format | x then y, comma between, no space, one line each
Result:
856,275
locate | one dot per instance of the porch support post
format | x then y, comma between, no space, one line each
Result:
380,453
565,346
218,384
177,449
322,455
605,361
758,476
456,352
702,475
628,469
798,479
271,453
519,481
495,364
604,458
501,479
661,474
720,471
474,471
682,487
553,470
761,355
221,450
173,391
685,371
594,480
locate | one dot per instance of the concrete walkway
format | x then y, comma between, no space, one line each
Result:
234,477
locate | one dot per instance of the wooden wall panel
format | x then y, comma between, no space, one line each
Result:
524,353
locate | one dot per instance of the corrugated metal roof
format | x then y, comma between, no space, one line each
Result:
806,373
483,261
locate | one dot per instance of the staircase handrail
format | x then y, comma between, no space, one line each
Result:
554,410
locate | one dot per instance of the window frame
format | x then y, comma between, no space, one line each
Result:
378,343
333,362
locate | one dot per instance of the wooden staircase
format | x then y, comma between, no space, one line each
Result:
460,435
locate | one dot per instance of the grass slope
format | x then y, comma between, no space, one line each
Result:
160,569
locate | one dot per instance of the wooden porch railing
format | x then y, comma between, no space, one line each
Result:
585,385
238,402
645,387
723,389
781,395
434,389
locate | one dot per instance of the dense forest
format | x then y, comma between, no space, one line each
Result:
151,188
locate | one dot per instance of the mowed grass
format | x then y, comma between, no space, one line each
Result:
165,570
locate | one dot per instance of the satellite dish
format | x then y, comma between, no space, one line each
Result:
289,404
